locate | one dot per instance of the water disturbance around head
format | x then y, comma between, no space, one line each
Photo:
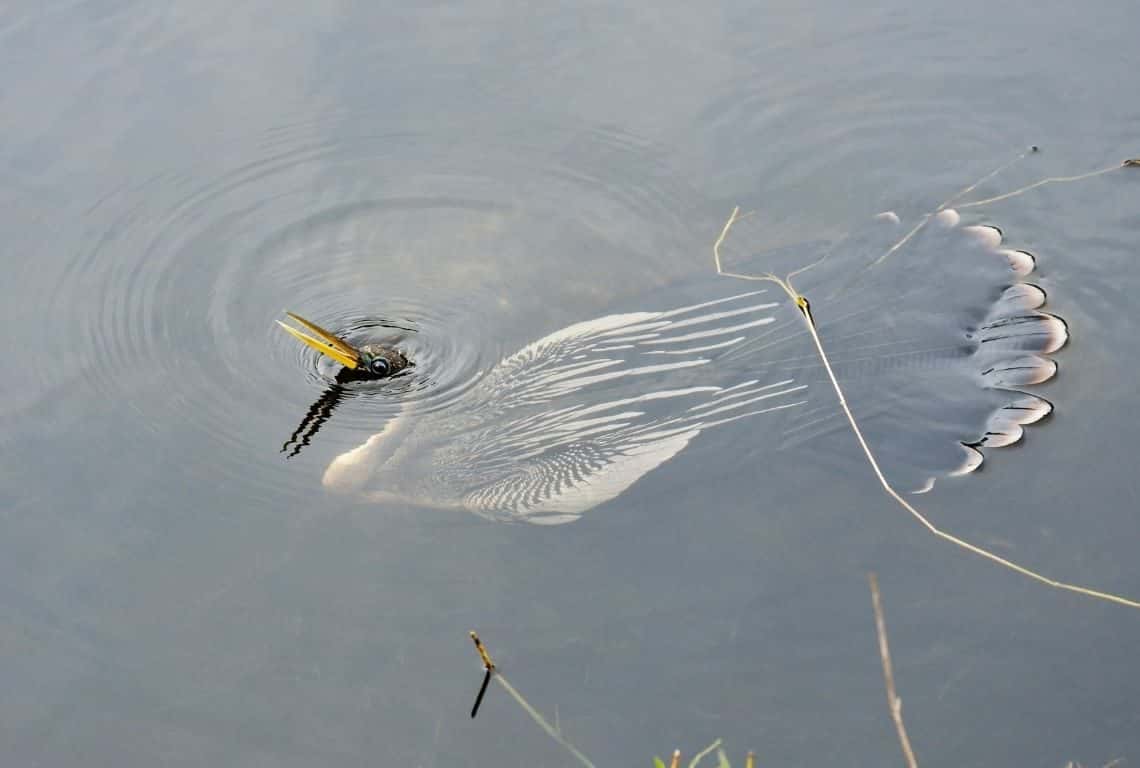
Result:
182,274
935,345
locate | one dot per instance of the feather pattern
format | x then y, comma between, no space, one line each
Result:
575,418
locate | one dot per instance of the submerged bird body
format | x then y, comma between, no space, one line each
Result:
571,420
934,364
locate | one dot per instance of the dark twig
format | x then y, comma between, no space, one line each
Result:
488,665
482,692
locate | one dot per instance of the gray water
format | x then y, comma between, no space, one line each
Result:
175,591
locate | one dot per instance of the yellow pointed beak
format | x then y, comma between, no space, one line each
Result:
325,342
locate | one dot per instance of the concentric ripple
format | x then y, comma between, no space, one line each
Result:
164,292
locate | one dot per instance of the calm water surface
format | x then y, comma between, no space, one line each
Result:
174,590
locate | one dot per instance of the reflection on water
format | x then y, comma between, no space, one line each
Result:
319,412
173,589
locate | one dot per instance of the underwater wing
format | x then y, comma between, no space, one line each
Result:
587,411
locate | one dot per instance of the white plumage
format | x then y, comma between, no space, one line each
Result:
571,420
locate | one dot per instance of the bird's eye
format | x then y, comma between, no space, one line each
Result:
379,366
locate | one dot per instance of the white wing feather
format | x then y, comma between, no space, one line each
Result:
575,418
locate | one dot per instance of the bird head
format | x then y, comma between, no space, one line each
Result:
371,361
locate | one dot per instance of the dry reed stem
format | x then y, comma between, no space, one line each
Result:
551,731
483,655
554,733
894,703
488,665
697,758
942,206
1130,163
802,304
1008,195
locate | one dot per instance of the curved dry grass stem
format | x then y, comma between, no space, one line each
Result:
802,304
952,200
492,671
967,190
894,703
697,758
1130,163
767,277
942,206
551,731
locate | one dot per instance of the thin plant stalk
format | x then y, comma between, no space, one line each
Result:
697,758
803,305
894,703
538,718
492,671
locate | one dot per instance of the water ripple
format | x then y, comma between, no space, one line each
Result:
164,290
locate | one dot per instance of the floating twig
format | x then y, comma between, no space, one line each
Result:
894,703
1131,162
942,206
952,200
